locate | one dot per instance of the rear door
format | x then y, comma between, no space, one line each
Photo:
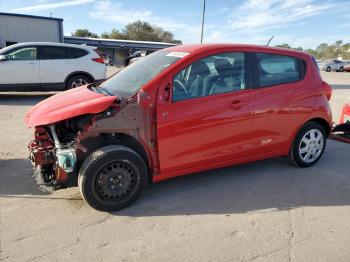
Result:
55,65
21,68
207,121
283,98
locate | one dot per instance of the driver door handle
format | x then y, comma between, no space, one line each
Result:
238,104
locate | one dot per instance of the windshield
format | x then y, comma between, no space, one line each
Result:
132,78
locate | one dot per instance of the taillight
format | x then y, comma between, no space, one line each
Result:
98,60
327,90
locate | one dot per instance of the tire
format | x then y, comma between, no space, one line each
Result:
341,69
77,80
297,156
328,69
121,164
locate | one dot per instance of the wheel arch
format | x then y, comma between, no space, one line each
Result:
324,123
124,139
317,119
134,144
78,73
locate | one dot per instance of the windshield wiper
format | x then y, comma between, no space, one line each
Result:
103,91
99,89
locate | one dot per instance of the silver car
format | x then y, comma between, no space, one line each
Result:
334,65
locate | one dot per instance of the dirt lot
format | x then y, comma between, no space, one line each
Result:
265,211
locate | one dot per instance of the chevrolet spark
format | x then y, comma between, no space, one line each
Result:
178,111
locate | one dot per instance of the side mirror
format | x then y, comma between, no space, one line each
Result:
3,58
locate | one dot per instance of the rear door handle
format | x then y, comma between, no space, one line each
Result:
238,104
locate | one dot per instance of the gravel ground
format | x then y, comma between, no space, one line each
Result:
264,211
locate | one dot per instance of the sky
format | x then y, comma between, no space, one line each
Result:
305,23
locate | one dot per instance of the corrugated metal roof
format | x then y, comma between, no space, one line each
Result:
113,43
32,16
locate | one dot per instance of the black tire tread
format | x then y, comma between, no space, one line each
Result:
100,153
69,81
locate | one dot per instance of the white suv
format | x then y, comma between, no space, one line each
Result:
49,66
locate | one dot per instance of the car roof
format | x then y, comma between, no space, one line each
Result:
199,48
46,44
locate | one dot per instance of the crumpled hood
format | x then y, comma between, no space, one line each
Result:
68,104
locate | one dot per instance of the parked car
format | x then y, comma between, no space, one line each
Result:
321,64
334,65
49,66
136,56
182,110
347,68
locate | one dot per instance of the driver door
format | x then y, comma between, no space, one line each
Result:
206,123
20,68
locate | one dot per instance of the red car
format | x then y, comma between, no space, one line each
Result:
178,111
347,68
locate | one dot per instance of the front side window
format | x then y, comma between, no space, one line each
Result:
220,73
53,52
24,53
277,69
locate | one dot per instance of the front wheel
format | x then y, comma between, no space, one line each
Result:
328,69
112,178
309,145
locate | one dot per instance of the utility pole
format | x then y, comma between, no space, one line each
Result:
203,21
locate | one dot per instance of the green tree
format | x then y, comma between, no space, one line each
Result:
84,33
284,46
142,31
326,51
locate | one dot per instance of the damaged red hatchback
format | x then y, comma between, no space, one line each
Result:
177,111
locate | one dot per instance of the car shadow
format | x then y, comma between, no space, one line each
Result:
23,98
16,178
264,186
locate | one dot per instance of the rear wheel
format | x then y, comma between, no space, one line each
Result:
112,178
309,145
341,69
77,80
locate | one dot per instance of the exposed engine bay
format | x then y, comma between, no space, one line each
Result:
53,154
58,150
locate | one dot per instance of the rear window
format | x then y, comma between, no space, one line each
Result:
279,69
53,52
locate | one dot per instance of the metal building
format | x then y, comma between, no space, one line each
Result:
17,28
115,49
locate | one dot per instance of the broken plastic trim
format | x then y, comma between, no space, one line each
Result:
342,132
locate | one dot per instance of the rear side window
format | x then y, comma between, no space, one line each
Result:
53,52
77,52
277,69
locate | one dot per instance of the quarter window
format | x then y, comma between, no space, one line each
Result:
220,73
77,53
277,69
